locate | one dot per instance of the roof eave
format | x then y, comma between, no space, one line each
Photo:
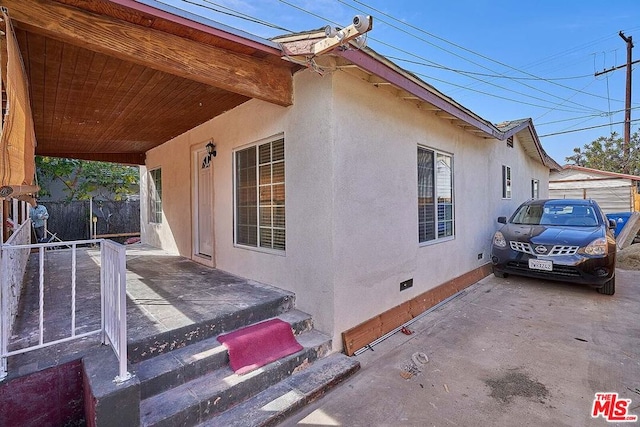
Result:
373,63
196,22
607,173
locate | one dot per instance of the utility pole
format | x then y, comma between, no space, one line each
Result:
627,106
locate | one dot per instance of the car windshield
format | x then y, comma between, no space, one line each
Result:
556,214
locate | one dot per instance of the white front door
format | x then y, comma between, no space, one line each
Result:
203,206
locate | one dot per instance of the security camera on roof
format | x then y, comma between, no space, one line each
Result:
362,23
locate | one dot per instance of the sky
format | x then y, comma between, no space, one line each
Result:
502,59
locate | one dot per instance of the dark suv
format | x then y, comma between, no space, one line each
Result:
558,239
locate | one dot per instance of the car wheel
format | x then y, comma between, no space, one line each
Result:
609,287
500,274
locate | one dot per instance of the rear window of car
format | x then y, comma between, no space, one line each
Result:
556,214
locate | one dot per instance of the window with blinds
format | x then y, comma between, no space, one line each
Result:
260,195
155,196
435,195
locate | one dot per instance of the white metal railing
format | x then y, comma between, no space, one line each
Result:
113,324
12,267
114,302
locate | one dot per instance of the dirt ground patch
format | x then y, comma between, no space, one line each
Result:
513,384
629,258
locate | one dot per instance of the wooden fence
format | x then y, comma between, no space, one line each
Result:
70,220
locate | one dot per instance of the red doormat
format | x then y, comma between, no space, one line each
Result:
256,345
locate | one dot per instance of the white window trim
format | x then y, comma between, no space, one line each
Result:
151,189
535,183
507,190
256,144
437,239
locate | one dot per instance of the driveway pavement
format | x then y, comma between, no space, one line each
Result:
506,352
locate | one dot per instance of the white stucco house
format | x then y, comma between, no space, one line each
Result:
370,179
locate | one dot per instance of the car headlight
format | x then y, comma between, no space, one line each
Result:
499,240
597,247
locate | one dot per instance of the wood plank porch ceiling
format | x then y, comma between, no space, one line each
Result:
111,80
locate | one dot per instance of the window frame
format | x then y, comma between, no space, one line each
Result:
507,182
535,188
155,195
438,221
272,205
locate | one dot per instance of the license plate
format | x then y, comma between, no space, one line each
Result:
540,264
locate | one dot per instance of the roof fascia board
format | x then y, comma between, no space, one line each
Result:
370,64
606,173
200,23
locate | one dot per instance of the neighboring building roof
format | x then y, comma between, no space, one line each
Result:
601,172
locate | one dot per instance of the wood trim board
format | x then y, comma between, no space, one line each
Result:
370,330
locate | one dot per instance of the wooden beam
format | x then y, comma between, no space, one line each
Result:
122,158
341,37
445,115
11,191
155,49
428,107
373,79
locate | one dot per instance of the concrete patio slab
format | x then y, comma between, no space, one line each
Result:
165,294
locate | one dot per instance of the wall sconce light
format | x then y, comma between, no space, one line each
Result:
211,149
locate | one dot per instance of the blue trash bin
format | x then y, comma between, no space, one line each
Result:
621,219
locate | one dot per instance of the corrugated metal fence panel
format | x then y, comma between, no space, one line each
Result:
611,199
566,193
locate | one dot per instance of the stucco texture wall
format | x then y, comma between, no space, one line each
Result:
376,232
351,197
306,266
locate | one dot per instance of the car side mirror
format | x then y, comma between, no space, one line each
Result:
612,223
502,219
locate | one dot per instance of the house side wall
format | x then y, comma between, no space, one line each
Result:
305,268
351,197
376,216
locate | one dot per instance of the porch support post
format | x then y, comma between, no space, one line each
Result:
103,263
121,286
4,315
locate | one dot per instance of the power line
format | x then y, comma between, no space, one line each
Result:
491,94
239,15
585,109
495,76
459,47
610,114
231,12
236,14
587,128
470,51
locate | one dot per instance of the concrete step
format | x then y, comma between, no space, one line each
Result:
196,400
177,367
225,321
281,400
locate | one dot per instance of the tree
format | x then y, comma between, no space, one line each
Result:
83,179
607,154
